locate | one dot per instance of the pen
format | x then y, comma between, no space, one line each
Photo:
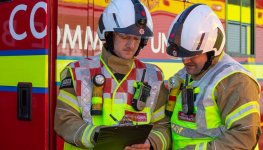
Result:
114,119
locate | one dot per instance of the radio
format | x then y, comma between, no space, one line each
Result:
141,93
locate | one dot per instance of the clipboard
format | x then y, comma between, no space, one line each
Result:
117,137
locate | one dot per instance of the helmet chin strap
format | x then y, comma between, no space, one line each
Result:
109,45
143,43
210,57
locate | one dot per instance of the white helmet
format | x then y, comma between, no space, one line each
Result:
195,31
126,16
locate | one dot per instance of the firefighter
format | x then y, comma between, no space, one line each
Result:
102,90
218,103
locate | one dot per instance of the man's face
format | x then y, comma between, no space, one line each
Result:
125,45
194,65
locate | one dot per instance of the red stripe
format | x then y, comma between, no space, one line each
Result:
78,88
159,76
129,99
76,64
95,71
172,98
132,75
123,87
107,85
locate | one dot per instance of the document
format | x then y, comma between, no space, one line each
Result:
117,137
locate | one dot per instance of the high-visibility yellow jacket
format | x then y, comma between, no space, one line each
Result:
226,109
73,120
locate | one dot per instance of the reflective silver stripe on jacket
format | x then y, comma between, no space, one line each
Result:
190,133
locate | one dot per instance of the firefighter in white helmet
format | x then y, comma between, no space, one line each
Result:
217,106
114,84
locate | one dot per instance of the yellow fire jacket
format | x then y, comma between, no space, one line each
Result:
231,94
70,125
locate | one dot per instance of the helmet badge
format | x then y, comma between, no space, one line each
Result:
141,31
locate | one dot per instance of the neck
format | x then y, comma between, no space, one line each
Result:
116,64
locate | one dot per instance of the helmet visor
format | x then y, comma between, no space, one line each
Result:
178,51
135,30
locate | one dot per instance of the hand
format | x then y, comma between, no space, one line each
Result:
145,146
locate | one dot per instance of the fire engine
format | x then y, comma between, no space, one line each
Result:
40,37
